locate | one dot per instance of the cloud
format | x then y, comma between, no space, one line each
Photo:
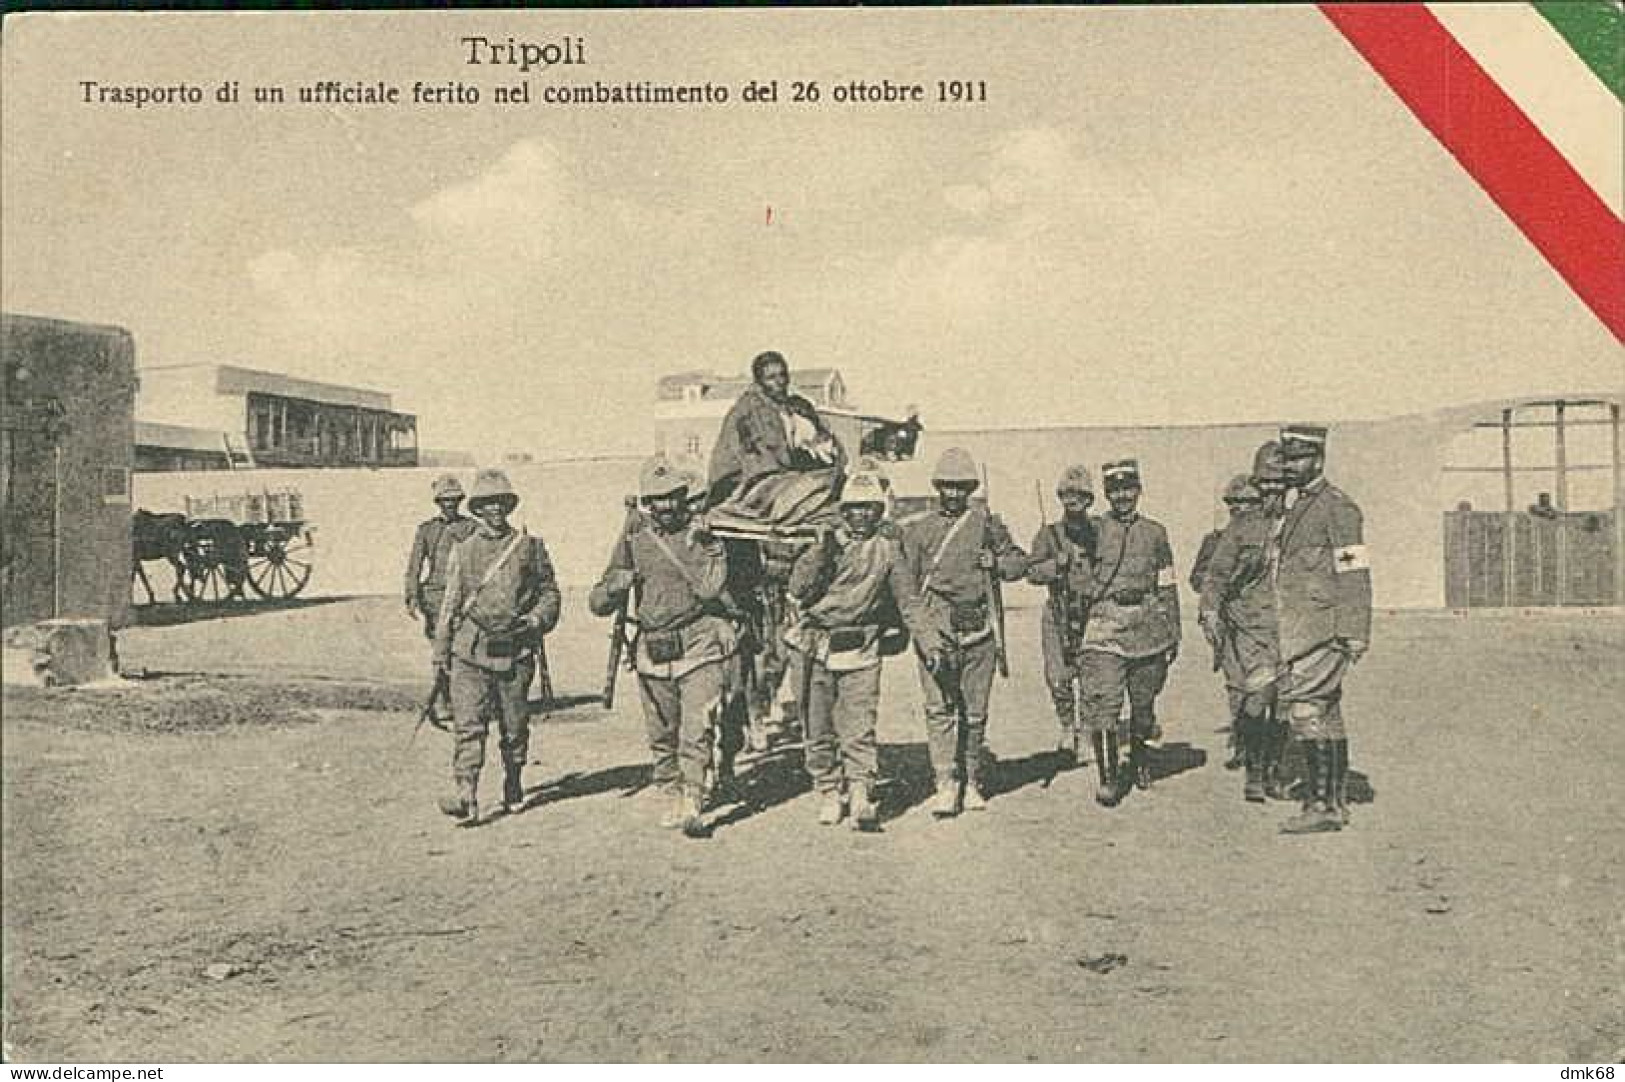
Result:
529,190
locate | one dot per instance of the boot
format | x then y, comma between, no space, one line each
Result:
1140,760
693,818
1340,778
462,805
831,807
1237,743
1105,749
946,803
676,808
513,790
865,812
1274,744
1251,739
1317,816
974,799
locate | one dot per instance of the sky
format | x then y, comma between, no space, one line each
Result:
1159,216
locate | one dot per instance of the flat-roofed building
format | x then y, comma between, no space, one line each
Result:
270,419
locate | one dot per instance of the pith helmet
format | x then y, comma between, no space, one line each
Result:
1122,474
864,487
492,485
447,487
660,476
955,466
1240,488
1075,479
1267,463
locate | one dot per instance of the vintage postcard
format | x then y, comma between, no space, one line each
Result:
824,535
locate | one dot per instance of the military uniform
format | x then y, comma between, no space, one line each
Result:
1238,613
943,551
425,579
1062,558
1322,581
501,597
853,590
1133,627
686,642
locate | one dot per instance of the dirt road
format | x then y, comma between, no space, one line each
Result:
272,882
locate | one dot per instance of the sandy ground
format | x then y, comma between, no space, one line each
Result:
267,821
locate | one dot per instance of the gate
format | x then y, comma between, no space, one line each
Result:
1567,559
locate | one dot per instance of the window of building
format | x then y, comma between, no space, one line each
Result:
691,446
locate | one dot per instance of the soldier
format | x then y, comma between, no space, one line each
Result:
500,599
852,585
431,548
954,555
1132,636
1237,617
686,642
1199,572
1063,558
1323,605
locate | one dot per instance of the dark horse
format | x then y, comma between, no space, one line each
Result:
159,537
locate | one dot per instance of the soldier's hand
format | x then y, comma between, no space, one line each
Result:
703,535
1171,655
412,607
986,560
1355,649
620,580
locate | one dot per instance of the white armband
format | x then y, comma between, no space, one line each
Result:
1350,558
1166,576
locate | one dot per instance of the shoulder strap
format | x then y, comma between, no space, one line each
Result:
942,549
491,571
671,557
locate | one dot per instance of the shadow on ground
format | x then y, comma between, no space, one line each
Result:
172,615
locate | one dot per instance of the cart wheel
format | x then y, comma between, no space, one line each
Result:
280,567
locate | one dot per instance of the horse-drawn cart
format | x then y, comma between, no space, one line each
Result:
224,543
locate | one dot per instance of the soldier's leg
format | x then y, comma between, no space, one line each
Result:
976,683
942,741
1059,678
1251,733
513,700
1145,677
1311,693
1101,678
857,704
822,756
472,702
700,694
662,709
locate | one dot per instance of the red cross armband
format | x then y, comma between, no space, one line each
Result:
1351,558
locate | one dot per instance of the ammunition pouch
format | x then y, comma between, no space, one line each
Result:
663,647
1130,597
846,639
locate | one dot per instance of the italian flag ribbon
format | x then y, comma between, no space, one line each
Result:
1528,97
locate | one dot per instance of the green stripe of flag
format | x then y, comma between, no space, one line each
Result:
1595,29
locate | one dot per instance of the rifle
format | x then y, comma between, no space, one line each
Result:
995,595
440,688
617,646
1061,597
617,629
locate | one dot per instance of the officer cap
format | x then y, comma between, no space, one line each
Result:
955,466
492,485
1124,473
865,486
447,487
660,476
1075,479
1240,488
1267,463
1298,441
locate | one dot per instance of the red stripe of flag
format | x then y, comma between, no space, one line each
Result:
1503,150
